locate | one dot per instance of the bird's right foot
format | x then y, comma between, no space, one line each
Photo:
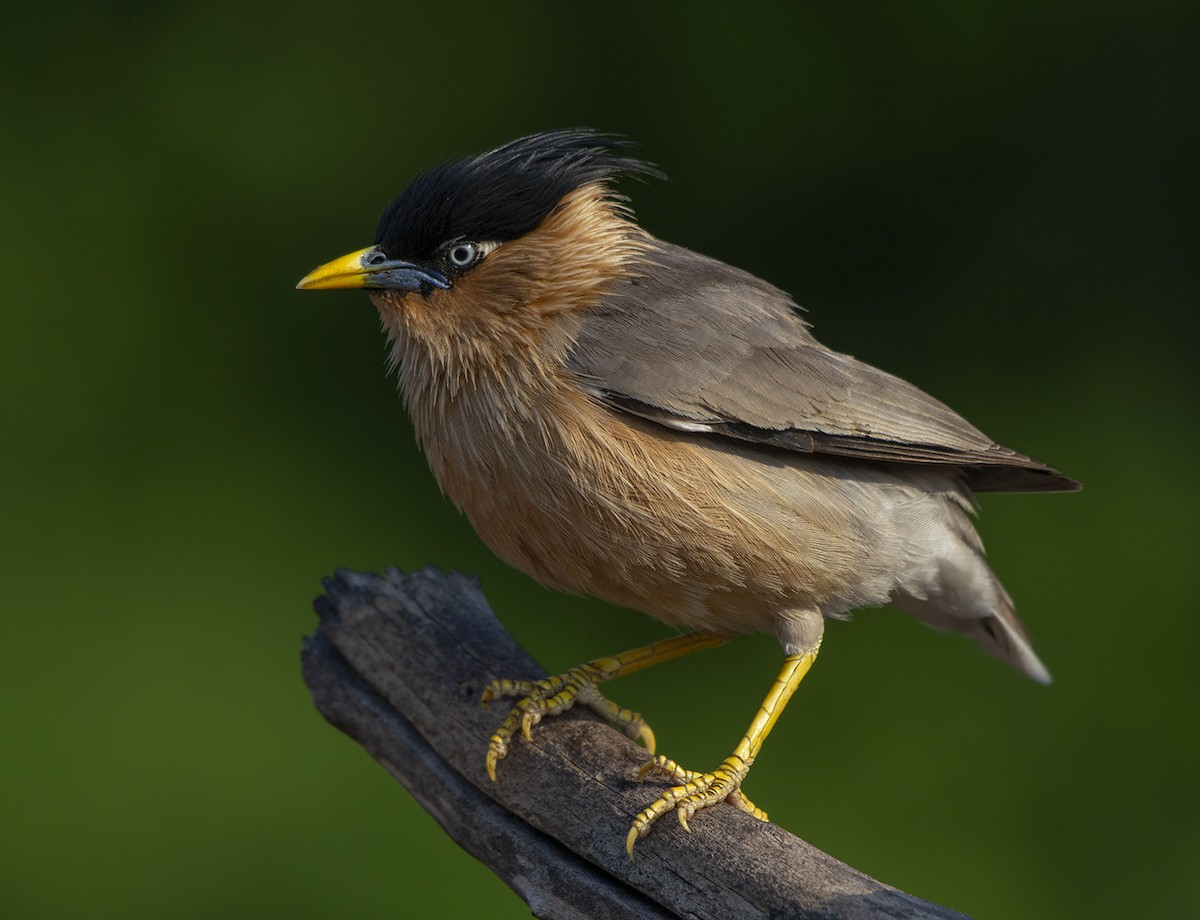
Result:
553,695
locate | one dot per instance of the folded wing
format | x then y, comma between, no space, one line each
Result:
710,349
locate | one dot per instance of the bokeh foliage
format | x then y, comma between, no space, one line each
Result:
988,198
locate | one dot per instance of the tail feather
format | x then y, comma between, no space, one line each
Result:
1004,636
989,621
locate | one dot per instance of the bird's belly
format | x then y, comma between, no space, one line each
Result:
698,533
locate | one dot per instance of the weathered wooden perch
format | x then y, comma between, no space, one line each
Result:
398,663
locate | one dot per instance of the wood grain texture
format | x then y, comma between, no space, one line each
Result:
398,663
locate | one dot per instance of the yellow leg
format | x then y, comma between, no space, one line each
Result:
699,790
558,693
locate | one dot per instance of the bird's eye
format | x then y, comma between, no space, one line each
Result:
463,254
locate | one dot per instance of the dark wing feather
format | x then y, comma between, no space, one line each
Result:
705,347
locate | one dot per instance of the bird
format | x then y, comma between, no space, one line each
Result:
626,418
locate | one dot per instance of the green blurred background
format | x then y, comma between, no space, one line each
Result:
990,199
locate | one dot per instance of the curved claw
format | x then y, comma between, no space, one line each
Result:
531,718
646,736
682,815
630,839
497,748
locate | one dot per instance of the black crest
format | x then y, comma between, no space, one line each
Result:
502,194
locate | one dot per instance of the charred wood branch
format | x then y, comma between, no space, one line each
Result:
398,664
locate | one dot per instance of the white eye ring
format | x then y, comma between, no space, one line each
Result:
463,254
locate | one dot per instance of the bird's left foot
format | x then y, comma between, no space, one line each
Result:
554,695
694,792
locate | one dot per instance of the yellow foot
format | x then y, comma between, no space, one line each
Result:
695,791
553,695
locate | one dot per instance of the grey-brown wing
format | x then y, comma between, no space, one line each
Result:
700,346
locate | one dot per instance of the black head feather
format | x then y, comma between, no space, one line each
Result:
502,194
